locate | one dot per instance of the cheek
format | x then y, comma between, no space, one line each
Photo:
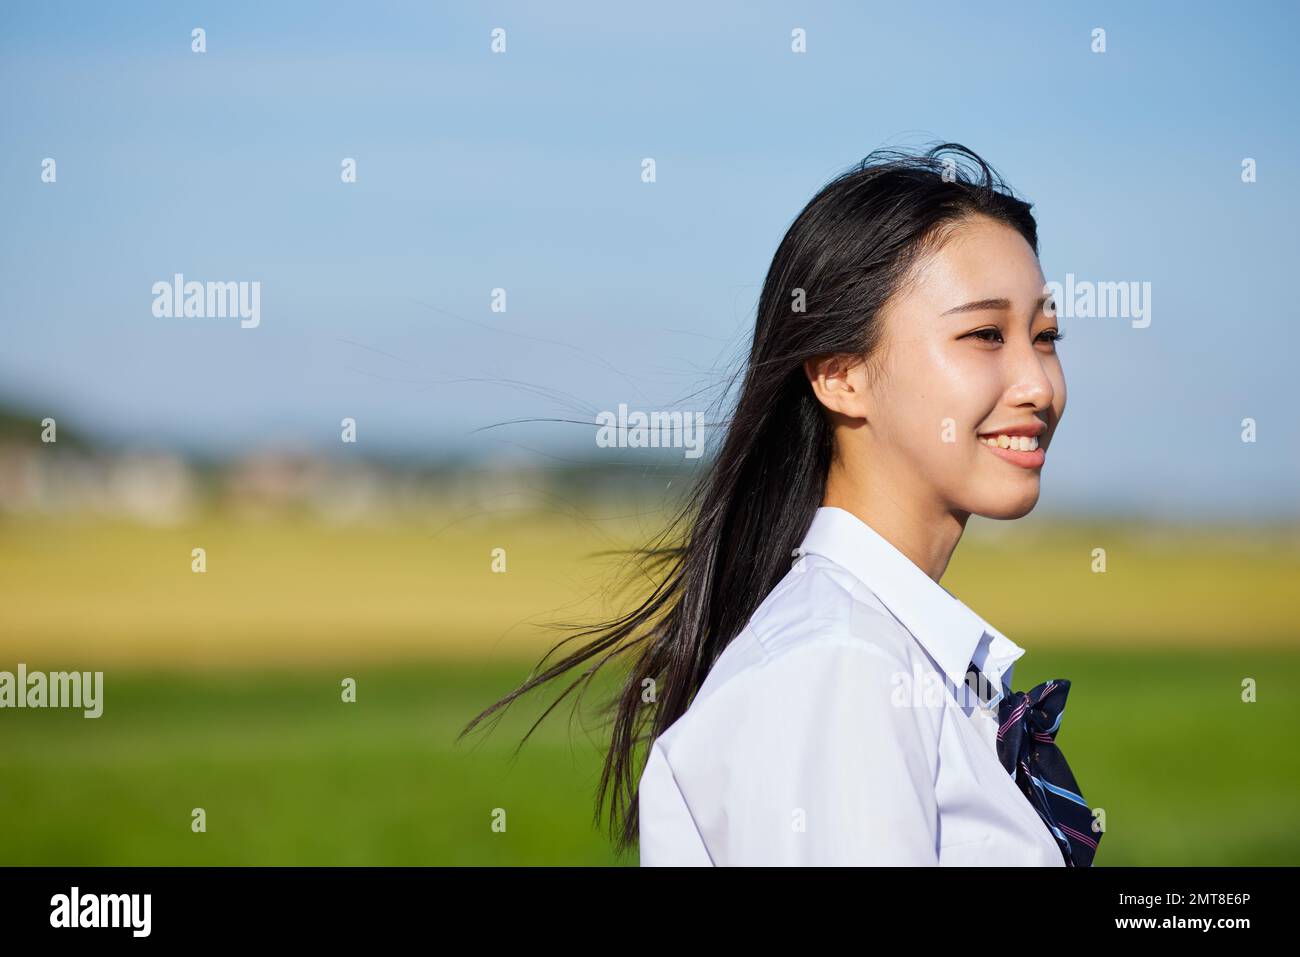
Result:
938,395
934,424
959,392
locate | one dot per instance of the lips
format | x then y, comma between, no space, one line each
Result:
1032,428
1022,456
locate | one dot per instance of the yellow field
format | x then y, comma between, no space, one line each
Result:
287,591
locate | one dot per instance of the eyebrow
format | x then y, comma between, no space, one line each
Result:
980,305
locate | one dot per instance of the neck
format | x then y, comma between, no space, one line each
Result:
926,535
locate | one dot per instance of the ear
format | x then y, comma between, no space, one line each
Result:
840,383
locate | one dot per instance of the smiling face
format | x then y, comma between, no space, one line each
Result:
968,352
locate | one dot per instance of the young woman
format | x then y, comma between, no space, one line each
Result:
808,691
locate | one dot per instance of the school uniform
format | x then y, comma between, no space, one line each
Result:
843,726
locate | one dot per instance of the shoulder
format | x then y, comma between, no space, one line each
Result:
816,615
804,745
821,644
818,600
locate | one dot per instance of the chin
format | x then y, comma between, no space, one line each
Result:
1008,506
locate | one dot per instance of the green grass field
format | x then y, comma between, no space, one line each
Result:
195,716
288,773
1187,773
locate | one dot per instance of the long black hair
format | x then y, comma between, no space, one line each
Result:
732,540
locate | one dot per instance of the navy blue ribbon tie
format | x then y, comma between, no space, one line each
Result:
1027,726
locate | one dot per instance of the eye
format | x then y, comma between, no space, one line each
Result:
995,335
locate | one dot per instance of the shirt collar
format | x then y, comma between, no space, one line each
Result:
952,634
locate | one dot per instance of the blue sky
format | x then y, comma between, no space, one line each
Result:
522,171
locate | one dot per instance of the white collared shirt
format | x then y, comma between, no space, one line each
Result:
838,728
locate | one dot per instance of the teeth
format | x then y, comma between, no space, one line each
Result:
1020,443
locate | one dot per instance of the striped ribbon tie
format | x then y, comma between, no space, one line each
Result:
1027,726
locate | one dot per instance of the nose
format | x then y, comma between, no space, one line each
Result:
1030,386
